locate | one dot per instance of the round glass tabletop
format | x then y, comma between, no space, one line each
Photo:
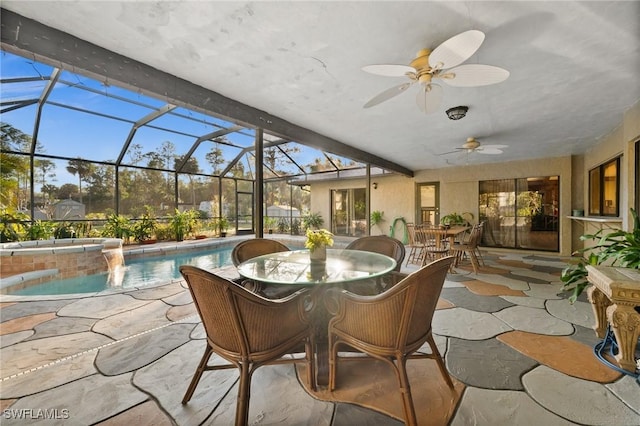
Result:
296,267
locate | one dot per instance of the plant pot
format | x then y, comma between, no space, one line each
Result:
319,254
150,241
200,237
223,234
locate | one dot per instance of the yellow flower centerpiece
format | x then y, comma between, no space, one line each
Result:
317,242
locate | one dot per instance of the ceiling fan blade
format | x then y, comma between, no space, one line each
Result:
389,70
387,94
456,50
473,75
429,98
490,151
494,146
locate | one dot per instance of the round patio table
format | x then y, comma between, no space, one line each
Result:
296,268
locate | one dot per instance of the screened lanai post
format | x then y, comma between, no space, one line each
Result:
368,195
55,76
258,212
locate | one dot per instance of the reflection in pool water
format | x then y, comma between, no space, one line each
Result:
136,273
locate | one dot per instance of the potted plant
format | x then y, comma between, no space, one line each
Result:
223,226
270,224
616,247
376,219
182,223
317,242
312,221
452,219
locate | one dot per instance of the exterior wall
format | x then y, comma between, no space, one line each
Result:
619,142
459,186
394,196
458,190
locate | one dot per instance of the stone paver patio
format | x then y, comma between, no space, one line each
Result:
521,354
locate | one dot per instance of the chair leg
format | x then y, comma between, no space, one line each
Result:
439,361
311,369
333,355
196,377
244,390
405,390
474,261
479,254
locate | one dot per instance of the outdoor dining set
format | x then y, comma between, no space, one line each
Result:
355,306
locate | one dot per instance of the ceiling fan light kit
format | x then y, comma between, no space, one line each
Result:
456,113
442,63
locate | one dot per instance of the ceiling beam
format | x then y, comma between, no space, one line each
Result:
24,36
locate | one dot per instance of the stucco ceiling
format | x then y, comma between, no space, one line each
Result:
574,66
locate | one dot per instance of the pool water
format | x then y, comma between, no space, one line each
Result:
135,274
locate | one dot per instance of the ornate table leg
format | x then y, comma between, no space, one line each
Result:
625,322
599,303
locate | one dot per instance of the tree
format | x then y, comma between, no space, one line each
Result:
215,157
68,190
49,190
189,168
43,171
14,168
80,168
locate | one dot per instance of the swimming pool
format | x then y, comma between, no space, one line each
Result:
136,273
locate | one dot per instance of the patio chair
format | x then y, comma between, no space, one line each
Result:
435,241
415,245
248,249
390,326
469,249
383,245
235,321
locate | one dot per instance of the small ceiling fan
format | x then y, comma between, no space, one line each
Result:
472,145
441,63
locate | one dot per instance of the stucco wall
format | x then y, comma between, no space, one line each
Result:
459,186
619,142
395,195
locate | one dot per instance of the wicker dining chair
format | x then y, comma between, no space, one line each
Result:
383,245
248,249
390,326
236,323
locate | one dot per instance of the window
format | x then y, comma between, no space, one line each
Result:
604,189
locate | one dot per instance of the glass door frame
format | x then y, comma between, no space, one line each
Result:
422,212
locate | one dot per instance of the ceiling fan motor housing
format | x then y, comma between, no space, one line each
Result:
471,144
421,64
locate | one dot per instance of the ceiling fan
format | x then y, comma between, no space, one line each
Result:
472,145
441,63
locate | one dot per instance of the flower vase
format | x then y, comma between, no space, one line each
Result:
318,254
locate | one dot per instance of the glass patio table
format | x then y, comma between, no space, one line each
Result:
296,268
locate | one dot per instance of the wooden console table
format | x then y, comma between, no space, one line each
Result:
615,294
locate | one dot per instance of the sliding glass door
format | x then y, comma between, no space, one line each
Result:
520,213
348,212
